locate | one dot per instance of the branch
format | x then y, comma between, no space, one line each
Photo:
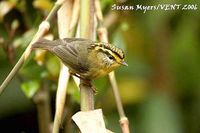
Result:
87,96
43,28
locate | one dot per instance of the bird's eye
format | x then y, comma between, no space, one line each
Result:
111,57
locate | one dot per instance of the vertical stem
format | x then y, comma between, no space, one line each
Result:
64,17
42,101
86,31
68,17
87,96
87,19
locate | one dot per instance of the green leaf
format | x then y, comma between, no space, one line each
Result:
43,4
124,26
53,66
30,88
15,24
74,92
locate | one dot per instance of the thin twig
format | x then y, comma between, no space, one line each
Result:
124,123
102,33
43,28
86,31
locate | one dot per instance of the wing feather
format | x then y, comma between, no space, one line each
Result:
72,51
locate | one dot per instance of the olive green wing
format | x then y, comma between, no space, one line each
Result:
72,51
68,52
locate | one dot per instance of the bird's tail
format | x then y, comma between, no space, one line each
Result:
43,44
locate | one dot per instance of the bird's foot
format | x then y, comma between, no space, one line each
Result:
74,74
86,81
89,84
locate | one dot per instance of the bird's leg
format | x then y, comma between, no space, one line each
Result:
89,83
86,81
72,73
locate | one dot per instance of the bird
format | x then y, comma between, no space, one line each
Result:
85,58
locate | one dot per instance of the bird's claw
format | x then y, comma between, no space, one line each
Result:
86,82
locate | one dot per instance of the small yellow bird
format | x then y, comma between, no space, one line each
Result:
85,59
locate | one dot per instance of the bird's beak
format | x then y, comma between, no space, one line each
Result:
123,63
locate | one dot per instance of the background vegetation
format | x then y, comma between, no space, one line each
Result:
160,89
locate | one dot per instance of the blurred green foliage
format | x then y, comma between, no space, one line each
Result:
160,88
30,88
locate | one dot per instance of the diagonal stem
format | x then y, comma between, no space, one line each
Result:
102,33
43,28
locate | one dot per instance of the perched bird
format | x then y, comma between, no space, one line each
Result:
85,59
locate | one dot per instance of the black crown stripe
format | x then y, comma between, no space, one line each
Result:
113,48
